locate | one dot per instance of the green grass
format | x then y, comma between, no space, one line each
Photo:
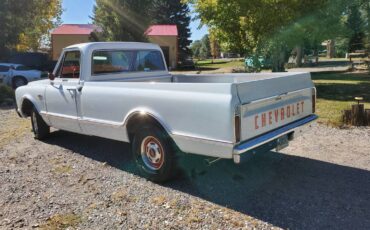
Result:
336,92
218,64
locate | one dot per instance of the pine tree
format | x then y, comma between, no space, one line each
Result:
355,24
174,12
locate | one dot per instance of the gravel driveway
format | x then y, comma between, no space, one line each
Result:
322,181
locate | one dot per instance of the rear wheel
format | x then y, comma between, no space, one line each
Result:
40,129
153,154
18,82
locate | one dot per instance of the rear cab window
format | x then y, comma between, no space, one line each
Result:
149,61
126,61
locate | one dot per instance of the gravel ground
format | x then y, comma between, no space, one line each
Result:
322,181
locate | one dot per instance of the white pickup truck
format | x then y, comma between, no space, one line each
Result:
123,91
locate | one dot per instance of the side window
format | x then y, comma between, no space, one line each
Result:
22,68
149,61
4,68
70,67
104,62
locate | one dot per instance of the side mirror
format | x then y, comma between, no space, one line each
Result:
51,76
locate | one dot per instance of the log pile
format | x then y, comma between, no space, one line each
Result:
357,116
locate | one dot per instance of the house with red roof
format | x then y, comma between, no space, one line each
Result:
69,34
166,36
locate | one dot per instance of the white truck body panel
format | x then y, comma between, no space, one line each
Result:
197,111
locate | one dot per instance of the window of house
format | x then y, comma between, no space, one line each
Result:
70,67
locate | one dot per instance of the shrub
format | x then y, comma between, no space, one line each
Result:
6,95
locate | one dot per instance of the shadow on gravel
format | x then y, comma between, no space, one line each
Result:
286,191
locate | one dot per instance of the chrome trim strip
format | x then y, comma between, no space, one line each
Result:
59,116
201,139
100,122
275,97
265,138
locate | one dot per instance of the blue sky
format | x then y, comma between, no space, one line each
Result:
79,12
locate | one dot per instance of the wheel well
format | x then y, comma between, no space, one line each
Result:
139,120
27,107
19,76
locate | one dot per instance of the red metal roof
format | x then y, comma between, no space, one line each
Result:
162,30
77,29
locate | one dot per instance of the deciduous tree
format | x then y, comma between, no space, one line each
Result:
45,16
273,27
25,24
123,20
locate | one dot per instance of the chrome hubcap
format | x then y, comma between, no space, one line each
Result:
152,153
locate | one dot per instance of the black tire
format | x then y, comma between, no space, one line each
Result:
154,154
40,129
19,81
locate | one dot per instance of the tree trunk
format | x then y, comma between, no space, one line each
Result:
298,60
278,61
330,48
316,54
358,112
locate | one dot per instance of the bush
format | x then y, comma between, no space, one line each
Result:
6,95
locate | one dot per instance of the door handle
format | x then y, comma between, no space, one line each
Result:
79,88
72,91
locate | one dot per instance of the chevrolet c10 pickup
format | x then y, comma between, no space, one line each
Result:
123,91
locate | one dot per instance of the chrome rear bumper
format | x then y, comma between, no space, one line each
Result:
268,140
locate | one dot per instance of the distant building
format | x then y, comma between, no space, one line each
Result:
166,36
69,34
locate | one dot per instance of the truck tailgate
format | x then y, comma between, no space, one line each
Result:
270,103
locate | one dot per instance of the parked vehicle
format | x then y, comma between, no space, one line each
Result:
123,91
16,75
254,63
37,61
187,64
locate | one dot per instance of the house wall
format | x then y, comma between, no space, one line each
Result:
172,43
61,41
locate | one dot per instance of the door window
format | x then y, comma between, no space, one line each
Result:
70,67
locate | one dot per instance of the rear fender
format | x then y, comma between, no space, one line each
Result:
147,112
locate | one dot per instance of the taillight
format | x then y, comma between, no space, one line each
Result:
313,100
237,124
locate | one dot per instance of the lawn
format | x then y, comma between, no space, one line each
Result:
336,92
219,63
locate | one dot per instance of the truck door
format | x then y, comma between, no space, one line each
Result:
62,95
